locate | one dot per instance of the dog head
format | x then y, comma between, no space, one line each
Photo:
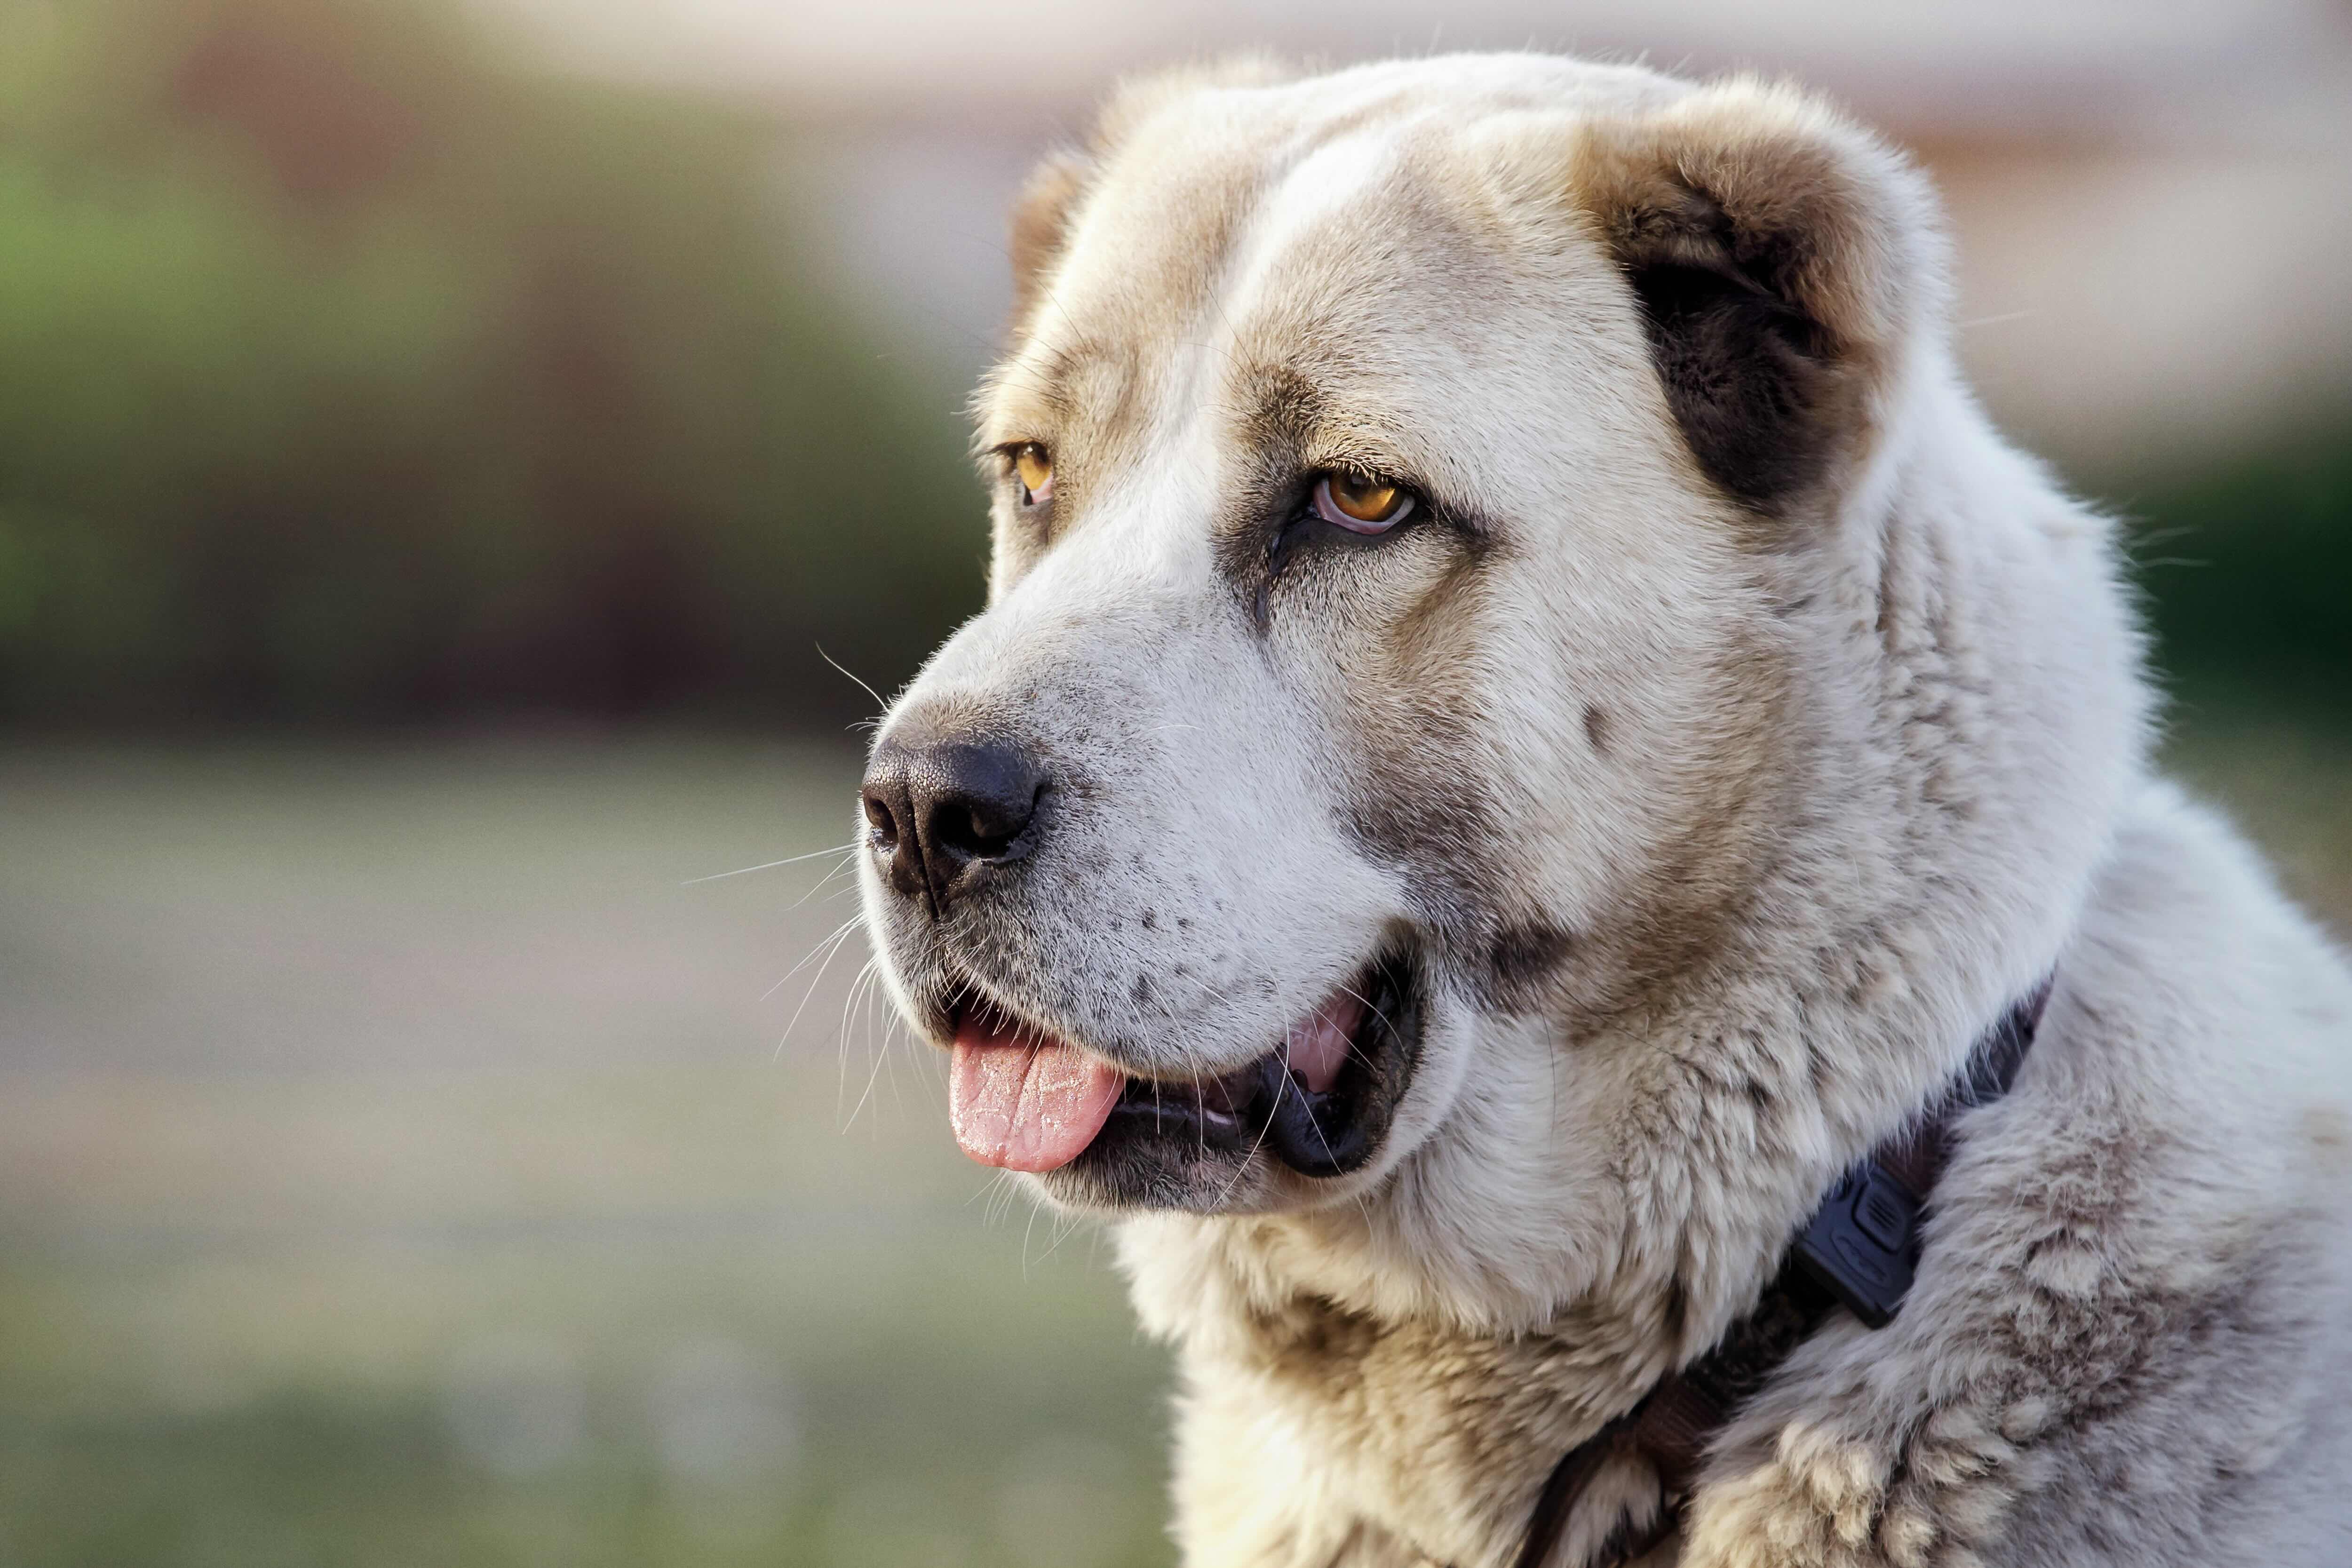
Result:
1419,498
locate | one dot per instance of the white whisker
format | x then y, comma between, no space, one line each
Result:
770,864
879,700
832,947
834,935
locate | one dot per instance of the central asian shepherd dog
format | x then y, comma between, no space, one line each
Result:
1524,722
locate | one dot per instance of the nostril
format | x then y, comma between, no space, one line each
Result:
975,801
981,829
879,818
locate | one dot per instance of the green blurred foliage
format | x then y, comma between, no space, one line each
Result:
349,374
2248,572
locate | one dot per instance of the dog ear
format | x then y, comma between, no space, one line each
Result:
1041,224
1782,258
1048,202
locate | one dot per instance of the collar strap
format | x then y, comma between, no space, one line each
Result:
1858,1250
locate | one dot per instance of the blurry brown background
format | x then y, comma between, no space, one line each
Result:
444,455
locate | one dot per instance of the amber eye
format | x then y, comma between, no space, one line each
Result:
1360,505
1034,465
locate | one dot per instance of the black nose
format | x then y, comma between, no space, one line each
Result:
943,810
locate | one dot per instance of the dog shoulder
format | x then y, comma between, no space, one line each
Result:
2133,1295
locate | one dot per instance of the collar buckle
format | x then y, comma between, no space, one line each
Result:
1861,1245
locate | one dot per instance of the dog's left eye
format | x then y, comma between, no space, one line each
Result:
1034,466
1360,505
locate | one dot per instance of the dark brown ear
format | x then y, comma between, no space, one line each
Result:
1781,258
1041,221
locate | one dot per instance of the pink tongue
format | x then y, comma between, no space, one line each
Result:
1318,1045
1026,1107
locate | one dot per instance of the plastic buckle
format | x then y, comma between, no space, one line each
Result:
1863,1243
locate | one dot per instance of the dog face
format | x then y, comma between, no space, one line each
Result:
1409,488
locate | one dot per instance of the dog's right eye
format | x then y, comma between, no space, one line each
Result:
1360,505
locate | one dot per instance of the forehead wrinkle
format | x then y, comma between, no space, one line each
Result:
1275,408
1035,391
1279,370
1316,187
1299,412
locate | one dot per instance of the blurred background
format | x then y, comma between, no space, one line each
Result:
462,469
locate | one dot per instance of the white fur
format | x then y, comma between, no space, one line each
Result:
1884,771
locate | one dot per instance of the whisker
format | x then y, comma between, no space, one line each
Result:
879,700
832,948
841,1047
1065,1227
834,935
1006,1193
819,885
1281,1084
1386,1022
770,865
873,1077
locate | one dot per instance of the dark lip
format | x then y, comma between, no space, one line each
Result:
1162,1124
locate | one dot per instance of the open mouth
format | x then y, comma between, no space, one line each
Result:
1319,1101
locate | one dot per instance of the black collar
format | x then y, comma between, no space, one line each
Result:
1858,1251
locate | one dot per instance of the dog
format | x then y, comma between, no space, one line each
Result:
1525,722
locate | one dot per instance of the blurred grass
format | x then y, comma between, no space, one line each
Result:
397,1166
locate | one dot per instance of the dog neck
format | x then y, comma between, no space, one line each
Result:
1857,1251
